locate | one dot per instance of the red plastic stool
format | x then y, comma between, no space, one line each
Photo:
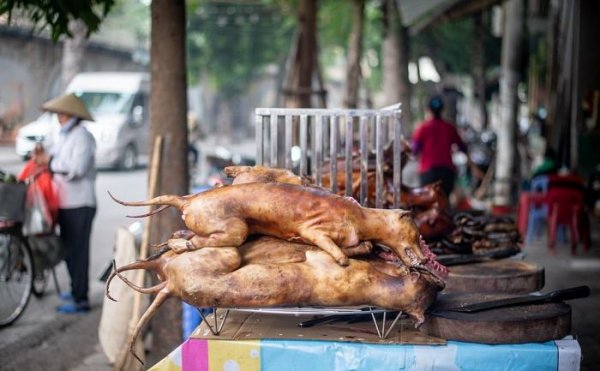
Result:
565,206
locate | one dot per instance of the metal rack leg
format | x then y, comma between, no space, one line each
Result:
382,333
216,330
385,335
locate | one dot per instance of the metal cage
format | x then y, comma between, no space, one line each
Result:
332,133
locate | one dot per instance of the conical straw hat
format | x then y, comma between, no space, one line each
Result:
70,105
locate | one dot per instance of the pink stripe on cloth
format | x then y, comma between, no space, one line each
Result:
194,355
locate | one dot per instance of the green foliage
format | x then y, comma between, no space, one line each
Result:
373,40
228,46
57,14
229,43
449,43
540,57
128,16
334,23
334,27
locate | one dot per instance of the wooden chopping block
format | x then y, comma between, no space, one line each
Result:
497,276
509,325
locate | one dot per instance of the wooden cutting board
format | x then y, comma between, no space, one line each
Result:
497,276
510,325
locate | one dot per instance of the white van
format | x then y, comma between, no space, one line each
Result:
118,101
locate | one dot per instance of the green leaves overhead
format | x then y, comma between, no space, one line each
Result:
57,13
229,43
334,27
451,43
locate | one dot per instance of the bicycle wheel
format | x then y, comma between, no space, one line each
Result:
16,277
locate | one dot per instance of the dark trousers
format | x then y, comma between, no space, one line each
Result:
446,175
75,230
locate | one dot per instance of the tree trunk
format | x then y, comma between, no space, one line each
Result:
303,65
553,70
355,46
511,75
168,115
479,66
73,51
396,86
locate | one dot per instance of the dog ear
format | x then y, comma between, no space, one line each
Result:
414,276
233,171
404,213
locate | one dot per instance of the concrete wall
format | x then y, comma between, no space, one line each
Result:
30,69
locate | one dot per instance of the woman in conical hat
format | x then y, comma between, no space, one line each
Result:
72,161
69,105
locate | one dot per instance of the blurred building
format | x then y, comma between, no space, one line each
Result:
560,77
30,71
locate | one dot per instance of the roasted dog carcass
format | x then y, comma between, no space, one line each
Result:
429,204
269,272
226,216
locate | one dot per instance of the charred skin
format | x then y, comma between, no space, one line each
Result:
299,275
226,216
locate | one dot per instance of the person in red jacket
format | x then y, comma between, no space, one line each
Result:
433,141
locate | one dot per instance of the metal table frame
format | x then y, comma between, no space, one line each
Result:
382,330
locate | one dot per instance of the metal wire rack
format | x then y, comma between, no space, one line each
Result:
383,328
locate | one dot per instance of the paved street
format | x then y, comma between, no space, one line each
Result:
563,271
33,341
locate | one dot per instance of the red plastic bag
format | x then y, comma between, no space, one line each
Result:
42,178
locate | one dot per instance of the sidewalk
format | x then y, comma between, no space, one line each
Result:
565,270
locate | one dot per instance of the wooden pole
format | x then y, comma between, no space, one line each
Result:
125,361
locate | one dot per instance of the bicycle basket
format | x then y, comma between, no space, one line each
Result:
12,201
47,250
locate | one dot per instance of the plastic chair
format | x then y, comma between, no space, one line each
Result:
566,207
538,214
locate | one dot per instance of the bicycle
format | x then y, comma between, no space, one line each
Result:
23,272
